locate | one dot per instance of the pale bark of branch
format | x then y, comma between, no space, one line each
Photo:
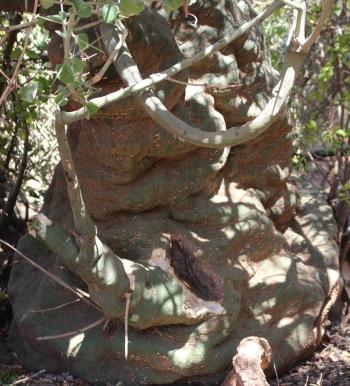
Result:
122,33
326,11
73,116
83,224
129,72
234,135
297,52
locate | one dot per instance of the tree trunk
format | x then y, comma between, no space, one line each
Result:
220,243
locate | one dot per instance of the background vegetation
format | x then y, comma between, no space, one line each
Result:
320,107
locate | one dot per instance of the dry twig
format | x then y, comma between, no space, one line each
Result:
30,377
12,84
79,293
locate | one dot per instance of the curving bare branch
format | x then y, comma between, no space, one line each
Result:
112,57
129,72
326,11
74,116
296,54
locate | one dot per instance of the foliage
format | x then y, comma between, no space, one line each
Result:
26,108
9,378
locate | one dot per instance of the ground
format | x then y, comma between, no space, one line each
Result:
328,366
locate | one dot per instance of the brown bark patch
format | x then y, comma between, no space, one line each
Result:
189,267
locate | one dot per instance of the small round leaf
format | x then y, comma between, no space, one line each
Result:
47,3
82,9
131,7
82,41
109,13
66,73
29,91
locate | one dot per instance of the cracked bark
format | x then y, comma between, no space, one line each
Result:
253,356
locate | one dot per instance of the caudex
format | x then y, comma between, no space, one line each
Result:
119,287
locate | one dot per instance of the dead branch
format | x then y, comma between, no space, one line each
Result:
253,355
74,332
28,378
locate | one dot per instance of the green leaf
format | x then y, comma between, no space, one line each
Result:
31,54
83,9
47,3
16,53
77,65
66,73
131,7
54,18
61,99
62,95
91,108
109,13
312,125
341,133
29,91
82,41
